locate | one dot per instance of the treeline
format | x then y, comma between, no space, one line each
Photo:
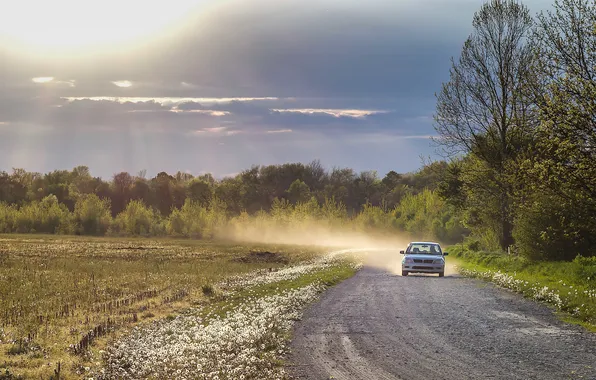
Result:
261,198
520,113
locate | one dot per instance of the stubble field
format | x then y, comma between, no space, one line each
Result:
75,307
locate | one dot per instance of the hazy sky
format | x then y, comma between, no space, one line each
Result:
217,86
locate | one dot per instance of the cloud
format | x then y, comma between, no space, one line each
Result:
280,131
182,102
182,116
349,82
122,83
42,79
214,129
333,112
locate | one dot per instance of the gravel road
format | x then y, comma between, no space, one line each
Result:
379,325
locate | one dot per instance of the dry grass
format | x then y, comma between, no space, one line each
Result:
55,290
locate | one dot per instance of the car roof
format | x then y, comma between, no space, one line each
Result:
423,242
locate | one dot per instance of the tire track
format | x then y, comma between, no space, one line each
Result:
378,325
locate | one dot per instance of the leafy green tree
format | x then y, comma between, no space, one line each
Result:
566,46
141,191
200,191
92,215
163,188
8,214
485,109
57,183
121,192
232,192
192,220
11,191
547,229
298,192
137,219
557,207
46,216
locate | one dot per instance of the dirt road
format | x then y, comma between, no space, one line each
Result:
378,325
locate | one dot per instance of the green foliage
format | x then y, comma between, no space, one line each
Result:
138,219
556,206
200,191
298,192
426,214
548,228
7,217
45,216
194,220
374,218
585,269
92,215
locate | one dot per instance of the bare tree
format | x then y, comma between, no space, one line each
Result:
485,108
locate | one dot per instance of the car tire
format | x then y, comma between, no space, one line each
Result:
404,273
441,274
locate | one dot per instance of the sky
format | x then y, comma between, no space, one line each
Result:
216,86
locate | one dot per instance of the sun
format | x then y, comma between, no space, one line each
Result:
76,24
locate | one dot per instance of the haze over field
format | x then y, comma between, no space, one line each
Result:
211,86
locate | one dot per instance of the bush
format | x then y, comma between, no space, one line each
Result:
46,216
92,215
192,220
7,217
138,219
427,216
546,228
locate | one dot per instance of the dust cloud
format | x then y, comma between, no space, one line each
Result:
380,250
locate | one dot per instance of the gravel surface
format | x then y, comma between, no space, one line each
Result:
378,325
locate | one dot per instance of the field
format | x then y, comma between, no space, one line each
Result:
64,300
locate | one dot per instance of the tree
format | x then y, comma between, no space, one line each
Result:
200,191
121,186
391,180
92,215
298,192
485,109
141,190
558,206
451,187
163,188
231,192
566,47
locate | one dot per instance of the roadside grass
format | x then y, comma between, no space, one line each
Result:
242,334
570,287
327,277
55,290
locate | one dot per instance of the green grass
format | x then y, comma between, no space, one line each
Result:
54,289
573,282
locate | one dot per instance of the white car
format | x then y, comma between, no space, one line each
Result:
423,257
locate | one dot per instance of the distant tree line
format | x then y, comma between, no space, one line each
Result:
519,112
180,204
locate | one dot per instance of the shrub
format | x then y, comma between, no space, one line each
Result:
46,216
7,217
92,215
138,219
548,228
192,220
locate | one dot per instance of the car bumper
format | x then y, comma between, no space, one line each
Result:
418,268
